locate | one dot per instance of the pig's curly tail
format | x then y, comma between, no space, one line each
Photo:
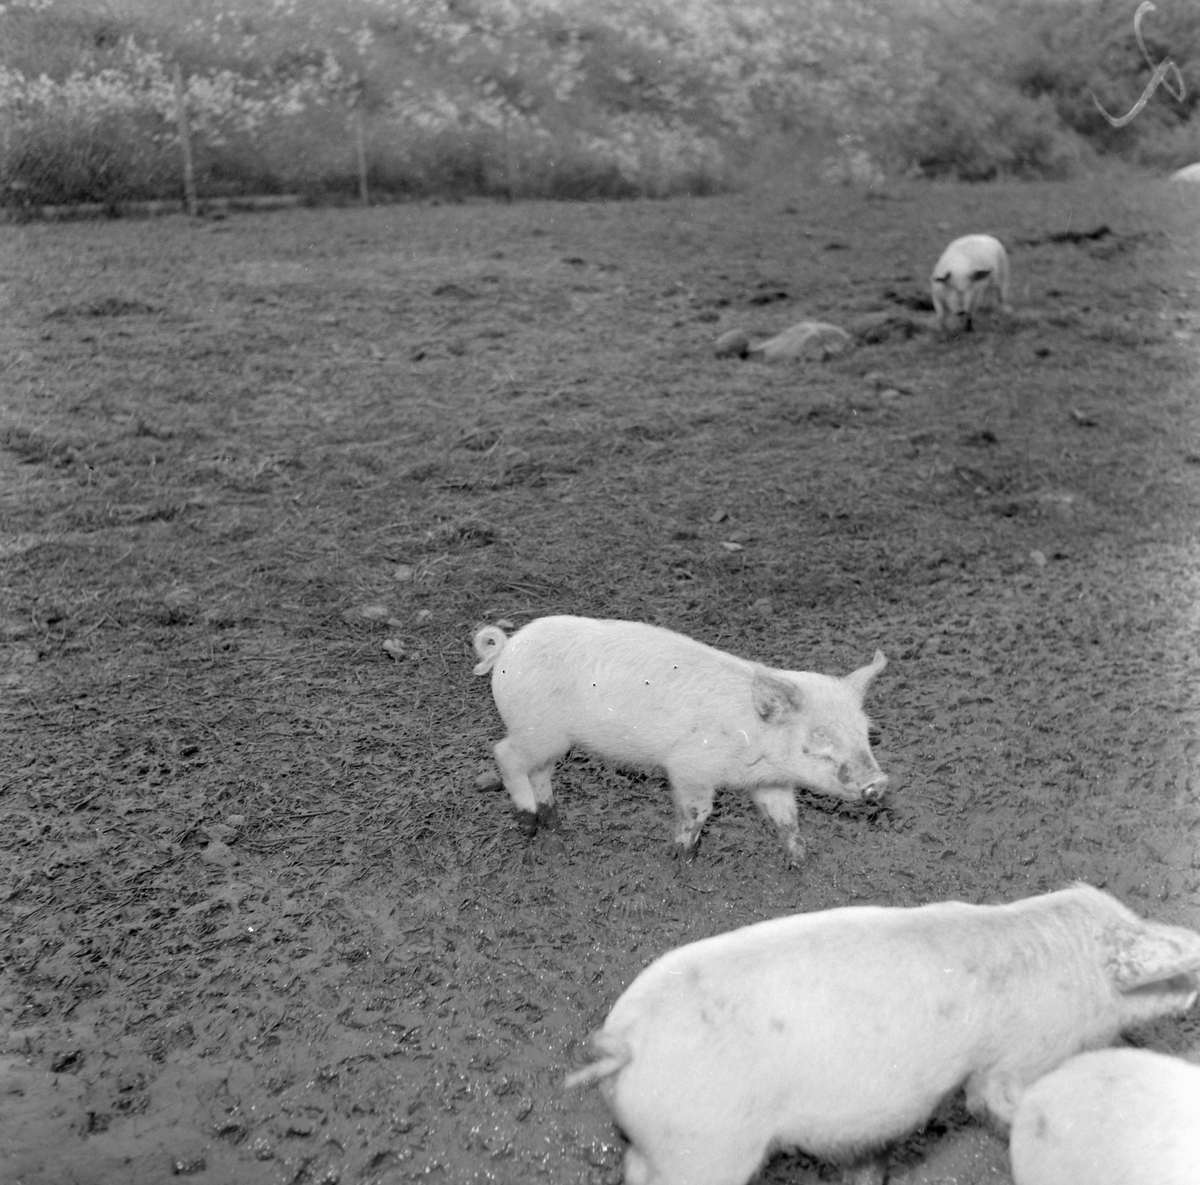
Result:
488,643
615,1056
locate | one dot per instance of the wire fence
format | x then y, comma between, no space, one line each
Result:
155,136
581,99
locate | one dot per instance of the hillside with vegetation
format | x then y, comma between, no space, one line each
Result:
576,98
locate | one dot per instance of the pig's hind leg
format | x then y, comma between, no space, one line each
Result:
527,781
778,803
720,1163
996,1090
543,792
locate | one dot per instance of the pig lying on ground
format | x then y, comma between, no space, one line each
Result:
1113,1117
839,1032
643,696
968,269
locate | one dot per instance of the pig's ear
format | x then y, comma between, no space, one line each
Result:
1135,958
860,680
775,699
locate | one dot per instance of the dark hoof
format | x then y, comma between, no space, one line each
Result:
547,816
527,821
681,852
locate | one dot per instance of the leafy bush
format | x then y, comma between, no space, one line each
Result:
974,129
1078,52
1032,72
1168,149
60,160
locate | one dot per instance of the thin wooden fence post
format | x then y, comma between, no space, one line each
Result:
360,142
509,169
185,144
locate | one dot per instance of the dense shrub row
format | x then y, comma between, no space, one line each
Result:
1018,82
573,98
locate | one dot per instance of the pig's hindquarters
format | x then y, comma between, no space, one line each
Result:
838,1046
768,1081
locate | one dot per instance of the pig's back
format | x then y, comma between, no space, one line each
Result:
603,682
630,642
964,255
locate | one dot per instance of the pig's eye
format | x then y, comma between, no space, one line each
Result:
821,739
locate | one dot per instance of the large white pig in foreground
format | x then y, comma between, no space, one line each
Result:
1112,1117
639,695
968,270
841,1031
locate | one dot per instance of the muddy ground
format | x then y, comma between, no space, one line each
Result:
260,925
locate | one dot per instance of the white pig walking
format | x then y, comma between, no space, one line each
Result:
643,696
968,269
839,1032
1112,1117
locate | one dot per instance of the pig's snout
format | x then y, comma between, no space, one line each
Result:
876,789
869,781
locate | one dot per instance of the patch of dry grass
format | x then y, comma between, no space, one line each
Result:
244,844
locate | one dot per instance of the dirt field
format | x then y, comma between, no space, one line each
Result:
259,924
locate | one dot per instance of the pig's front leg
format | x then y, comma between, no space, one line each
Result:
693,805
778,803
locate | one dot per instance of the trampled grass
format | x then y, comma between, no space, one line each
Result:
256,912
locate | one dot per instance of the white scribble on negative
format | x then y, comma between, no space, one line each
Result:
1157,79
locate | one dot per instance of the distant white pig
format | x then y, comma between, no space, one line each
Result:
969,268
841,1031
642,696
1113,1117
